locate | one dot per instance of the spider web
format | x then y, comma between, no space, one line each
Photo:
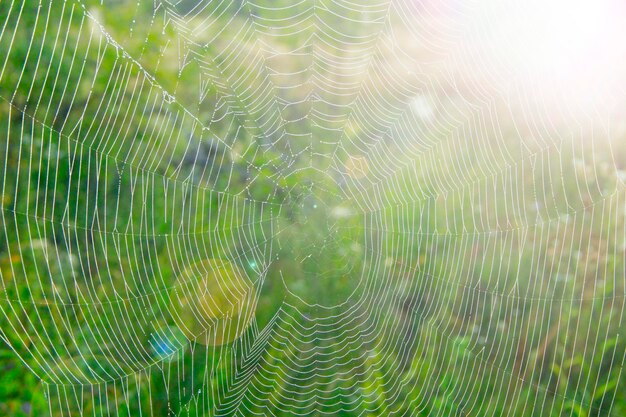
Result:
304,208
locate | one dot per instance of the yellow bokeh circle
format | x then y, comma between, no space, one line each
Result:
214,302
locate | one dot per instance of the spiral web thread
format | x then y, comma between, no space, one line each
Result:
484,225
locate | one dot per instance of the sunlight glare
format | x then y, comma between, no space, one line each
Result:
571,49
